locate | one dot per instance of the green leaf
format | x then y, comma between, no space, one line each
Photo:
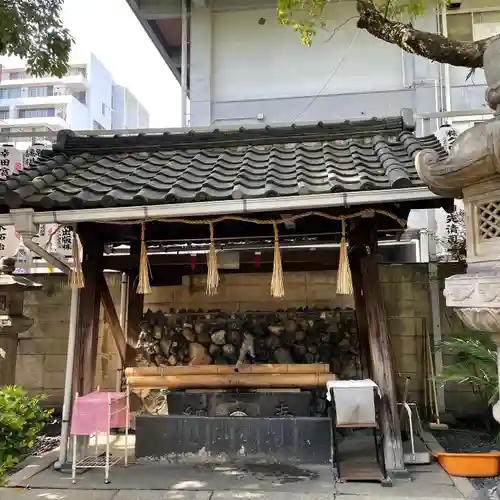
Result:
33,31
21,421
474,363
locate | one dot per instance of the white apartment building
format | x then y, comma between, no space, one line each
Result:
86,98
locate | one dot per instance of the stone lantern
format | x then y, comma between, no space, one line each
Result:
472,172
12,320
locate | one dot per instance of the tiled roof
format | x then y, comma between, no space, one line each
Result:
86,172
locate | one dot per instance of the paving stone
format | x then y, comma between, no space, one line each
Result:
410,490
44,494
269,495
162,495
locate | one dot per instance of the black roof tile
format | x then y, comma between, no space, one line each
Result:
85,172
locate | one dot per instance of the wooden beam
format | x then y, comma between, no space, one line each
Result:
360,307
111,317
88,314
289,256
379,342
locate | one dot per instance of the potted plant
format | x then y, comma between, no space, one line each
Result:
473,363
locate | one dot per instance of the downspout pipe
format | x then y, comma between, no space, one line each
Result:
123,323
446,67
68,380
184,62
73,321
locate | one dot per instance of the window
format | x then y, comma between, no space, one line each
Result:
97,126
4,114
37,113
80,96
41,91
471,26
103,109
10,93
18,75
77,72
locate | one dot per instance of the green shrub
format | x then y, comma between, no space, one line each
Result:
473,363
21,422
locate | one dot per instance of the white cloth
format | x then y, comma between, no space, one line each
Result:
354,402
349,384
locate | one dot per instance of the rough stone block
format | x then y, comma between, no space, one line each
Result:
401,327
54,362
29,371
53,381
160,294
321,291
41,345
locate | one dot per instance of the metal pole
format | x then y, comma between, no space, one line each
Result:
68,380
184,61
446,67
123,324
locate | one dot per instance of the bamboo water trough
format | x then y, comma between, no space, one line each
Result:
226,377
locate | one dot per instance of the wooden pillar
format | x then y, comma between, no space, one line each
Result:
359,304
363,239
87,337
135,304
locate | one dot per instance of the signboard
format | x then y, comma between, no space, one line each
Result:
33,152
56,239
11,159
64,241
10,241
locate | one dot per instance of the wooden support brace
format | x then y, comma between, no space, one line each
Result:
125,350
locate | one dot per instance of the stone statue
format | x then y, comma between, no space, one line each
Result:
475,154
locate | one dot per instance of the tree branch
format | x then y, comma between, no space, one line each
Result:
429,45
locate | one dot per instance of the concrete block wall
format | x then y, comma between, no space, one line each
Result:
405,290
42,350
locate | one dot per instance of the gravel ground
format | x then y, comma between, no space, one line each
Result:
470,441
50,438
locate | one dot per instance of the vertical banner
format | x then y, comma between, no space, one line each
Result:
64,242
11,159
10,241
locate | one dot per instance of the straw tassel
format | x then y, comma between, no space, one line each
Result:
143,287
213,271
277,288
77,280
344,281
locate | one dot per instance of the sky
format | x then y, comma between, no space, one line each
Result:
110,30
